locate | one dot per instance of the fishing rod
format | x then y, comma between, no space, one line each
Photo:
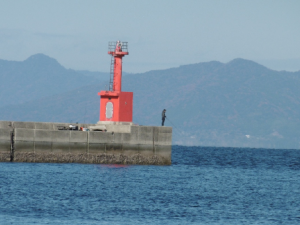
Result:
177,129
171,122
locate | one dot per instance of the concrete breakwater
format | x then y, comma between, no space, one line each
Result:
121,143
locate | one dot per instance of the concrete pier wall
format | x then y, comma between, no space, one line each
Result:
43,142
5,145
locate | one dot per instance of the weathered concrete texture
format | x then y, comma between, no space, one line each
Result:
5,124
42,142
4,157
88,158
5,145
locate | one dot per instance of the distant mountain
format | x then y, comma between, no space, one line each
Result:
219,104
98,75
37,77
79,105
240,103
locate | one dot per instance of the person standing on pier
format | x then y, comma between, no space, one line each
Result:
163,117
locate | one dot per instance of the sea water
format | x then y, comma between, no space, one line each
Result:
204,185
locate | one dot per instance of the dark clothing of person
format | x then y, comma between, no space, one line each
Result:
163,117
163,121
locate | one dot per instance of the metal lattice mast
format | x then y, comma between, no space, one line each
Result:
111,76
117,50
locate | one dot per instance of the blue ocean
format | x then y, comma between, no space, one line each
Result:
204,185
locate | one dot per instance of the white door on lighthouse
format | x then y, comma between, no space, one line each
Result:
109,110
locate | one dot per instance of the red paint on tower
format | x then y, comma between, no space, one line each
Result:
116,105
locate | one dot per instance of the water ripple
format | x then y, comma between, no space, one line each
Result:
202,186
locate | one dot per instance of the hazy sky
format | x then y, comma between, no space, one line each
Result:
160,33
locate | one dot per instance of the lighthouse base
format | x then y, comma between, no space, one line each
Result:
116,106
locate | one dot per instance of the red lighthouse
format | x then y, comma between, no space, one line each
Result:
116,105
